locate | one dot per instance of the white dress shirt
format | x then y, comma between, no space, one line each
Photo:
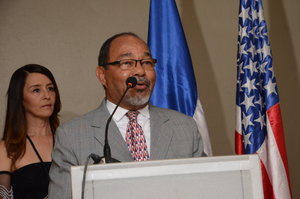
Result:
122,120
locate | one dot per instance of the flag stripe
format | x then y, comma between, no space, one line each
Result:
277,127
273,169
239,148
268,188
276,166
270,157
201,123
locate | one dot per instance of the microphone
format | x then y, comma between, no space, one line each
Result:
131,82
96,159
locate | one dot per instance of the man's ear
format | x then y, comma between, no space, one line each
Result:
100,73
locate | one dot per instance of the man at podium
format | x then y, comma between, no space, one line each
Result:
138,131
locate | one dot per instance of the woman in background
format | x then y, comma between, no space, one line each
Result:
33,104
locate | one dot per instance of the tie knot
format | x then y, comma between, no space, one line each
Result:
132,115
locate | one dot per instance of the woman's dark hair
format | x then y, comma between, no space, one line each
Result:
104,51
15,127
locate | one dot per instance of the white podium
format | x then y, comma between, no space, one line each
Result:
206,178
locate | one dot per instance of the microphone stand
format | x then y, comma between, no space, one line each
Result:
130,82
96,160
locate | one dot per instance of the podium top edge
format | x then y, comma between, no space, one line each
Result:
229,158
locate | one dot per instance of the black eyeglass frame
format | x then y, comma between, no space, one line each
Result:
136,61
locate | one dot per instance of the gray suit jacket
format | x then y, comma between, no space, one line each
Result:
173,135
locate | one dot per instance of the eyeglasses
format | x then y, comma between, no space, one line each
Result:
127,64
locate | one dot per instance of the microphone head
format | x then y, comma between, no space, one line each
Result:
96,158
131,82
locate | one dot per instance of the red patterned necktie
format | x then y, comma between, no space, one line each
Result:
135,138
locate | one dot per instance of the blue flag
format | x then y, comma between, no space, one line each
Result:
176,86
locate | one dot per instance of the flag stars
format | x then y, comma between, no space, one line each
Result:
247,139
262,67
247,120
262,29
242,48
251,67
244,14
248,102
261,120
245,45
250,84
259,101
269,68
255,16
249,48
270,87
266,50
243,30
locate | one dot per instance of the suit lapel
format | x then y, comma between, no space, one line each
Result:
117,144
160,135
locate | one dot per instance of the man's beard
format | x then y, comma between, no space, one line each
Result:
138,100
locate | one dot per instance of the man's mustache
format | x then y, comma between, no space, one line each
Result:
143,80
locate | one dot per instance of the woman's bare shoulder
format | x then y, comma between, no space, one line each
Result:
4,159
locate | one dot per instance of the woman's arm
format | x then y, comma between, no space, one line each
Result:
6,191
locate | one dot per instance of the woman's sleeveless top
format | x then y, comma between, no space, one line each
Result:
31,181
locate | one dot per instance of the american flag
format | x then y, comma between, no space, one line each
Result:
259,126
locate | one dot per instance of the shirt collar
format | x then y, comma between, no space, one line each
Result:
120,112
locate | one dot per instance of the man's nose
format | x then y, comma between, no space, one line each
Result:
139,69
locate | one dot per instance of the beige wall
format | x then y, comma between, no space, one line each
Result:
65,36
